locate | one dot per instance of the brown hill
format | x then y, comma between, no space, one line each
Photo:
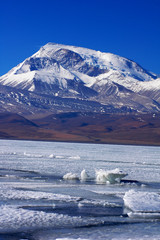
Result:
83,127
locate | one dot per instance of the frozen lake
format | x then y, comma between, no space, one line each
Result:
51,190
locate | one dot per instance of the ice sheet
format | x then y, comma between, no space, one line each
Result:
11,193
39,195
13,219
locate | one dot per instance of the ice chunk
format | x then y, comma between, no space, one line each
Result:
101,203
143,204
59,157
144,215
112,176
70,176
84,175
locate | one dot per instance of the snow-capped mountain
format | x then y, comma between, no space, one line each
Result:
62,72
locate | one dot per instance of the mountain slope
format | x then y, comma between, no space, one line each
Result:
105,81
84,127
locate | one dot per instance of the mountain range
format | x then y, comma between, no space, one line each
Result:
67,79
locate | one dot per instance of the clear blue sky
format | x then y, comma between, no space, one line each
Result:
129,28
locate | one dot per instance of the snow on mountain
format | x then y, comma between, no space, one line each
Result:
57,62
101,60
92,57
76,72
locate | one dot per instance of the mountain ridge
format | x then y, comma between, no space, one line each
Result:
69,72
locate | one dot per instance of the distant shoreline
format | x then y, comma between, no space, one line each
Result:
83,142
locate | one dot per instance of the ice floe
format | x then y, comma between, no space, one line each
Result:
13,218
11,193
101,176
102,203
51,156
142,204
111,176
73,176
70,176
144,215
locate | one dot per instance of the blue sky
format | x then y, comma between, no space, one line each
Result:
129,28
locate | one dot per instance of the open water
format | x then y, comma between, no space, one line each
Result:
51,190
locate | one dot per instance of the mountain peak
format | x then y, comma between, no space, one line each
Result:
81,73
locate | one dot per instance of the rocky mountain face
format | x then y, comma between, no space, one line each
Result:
60,78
